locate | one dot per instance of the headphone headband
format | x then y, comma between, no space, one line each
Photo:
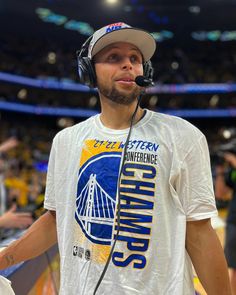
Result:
84,47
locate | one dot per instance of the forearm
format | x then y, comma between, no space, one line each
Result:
208,259
37,239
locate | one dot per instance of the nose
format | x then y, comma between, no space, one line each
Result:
126,64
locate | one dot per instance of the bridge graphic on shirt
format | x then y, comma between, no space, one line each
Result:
95,206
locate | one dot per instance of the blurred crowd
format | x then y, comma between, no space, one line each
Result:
23,164
32,58
54,98
200,63
196,63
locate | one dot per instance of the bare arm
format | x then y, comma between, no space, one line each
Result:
206,253
37,239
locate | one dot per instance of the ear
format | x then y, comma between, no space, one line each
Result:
86,71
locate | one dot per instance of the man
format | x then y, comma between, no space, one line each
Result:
225,184
157,209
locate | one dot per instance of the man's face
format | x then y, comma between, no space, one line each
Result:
117,66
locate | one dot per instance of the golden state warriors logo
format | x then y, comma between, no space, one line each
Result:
96,190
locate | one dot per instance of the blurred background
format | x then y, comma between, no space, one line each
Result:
195,77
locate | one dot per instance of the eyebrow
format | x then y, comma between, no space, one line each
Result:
112,46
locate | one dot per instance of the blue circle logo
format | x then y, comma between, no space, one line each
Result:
96,196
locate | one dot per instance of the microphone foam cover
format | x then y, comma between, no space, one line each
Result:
142,81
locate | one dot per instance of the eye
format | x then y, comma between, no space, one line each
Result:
114,57
135,59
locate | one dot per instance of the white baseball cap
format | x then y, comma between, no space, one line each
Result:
121,32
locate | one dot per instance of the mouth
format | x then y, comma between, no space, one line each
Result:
125,80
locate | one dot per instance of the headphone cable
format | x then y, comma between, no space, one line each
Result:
118,204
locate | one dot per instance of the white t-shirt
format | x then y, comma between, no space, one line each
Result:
166,181
5,286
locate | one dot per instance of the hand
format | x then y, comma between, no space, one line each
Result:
8,144
231,159
12,219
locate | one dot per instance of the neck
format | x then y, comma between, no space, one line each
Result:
117,116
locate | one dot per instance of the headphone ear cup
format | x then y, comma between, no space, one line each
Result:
86,72
148,70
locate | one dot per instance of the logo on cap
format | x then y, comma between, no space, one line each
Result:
114,27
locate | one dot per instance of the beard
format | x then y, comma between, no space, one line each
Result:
119,97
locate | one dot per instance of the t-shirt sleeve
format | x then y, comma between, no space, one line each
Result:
49,200
195,185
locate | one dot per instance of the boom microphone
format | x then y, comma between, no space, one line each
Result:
143,81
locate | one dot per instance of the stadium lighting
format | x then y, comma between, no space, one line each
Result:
194,9
51,58
22,94
227,134
112,2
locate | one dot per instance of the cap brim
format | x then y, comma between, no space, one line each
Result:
140,38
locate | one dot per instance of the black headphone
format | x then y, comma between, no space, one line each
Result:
86,70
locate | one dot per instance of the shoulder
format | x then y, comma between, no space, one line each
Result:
176,132
70,133
177,125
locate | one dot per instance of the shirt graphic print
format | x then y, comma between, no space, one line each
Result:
96,202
